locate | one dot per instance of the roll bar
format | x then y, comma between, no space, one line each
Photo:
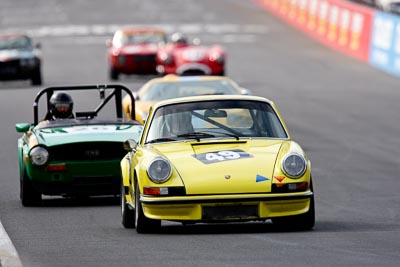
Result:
107,91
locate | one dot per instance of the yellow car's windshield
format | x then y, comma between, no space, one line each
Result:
215,119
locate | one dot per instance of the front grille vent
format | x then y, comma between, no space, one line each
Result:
144,58
88,151
230,212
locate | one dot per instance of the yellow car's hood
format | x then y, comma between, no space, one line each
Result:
224,167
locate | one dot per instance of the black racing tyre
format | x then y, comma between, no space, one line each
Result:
114,74
304,221
221,73
36,78
28,195
128,214
142,223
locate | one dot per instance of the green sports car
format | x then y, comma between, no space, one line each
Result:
78,155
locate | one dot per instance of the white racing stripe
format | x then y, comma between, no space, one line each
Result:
109,29
206,39
8,254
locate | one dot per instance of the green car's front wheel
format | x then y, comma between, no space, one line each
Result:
29,196
128,215
142,223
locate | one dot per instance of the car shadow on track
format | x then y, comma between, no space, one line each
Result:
173,228
80,201
223,228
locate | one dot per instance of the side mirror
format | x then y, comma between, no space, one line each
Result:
22,127
130,145
245,91
38,46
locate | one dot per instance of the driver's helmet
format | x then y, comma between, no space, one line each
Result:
179,123
61,105
179,38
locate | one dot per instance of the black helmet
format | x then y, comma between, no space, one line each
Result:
61,105
179,38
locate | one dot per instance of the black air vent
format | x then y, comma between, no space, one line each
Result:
88,151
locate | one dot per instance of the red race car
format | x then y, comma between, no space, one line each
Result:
134,51
181,58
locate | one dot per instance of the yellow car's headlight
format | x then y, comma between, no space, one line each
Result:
159,170
39,155
294,165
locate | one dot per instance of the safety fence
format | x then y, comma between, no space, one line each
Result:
354,29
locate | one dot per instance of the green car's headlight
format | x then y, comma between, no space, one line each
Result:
294,165
159,170
39,155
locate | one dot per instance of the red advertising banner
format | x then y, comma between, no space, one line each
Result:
339,24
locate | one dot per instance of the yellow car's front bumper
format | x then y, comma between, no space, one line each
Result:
226,207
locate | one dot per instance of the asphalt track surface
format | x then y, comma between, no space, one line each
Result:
343,112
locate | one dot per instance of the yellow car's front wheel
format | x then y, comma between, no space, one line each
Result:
304,221
142,223
128,215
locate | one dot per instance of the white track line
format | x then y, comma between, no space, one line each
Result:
109,29
8,254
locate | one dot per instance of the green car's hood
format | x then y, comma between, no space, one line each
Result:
224,167
87,133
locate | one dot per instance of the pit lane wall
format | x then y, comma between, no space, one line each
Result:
353,29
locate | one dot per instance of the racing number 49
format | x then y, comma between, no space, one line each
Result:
222,155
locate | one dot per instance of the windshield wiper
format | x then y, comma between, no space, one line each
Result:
227,134
196,135
163,139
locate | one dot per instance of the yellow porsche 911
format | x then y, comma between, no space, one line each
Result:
220,158
173,86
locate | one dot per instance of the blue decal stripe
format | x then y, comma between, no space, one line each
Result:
260,178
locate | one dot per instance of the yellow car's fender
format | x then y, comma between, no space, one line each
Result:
126,180
279,177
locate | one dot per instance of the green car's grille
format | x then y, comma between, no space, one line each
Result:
88,151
